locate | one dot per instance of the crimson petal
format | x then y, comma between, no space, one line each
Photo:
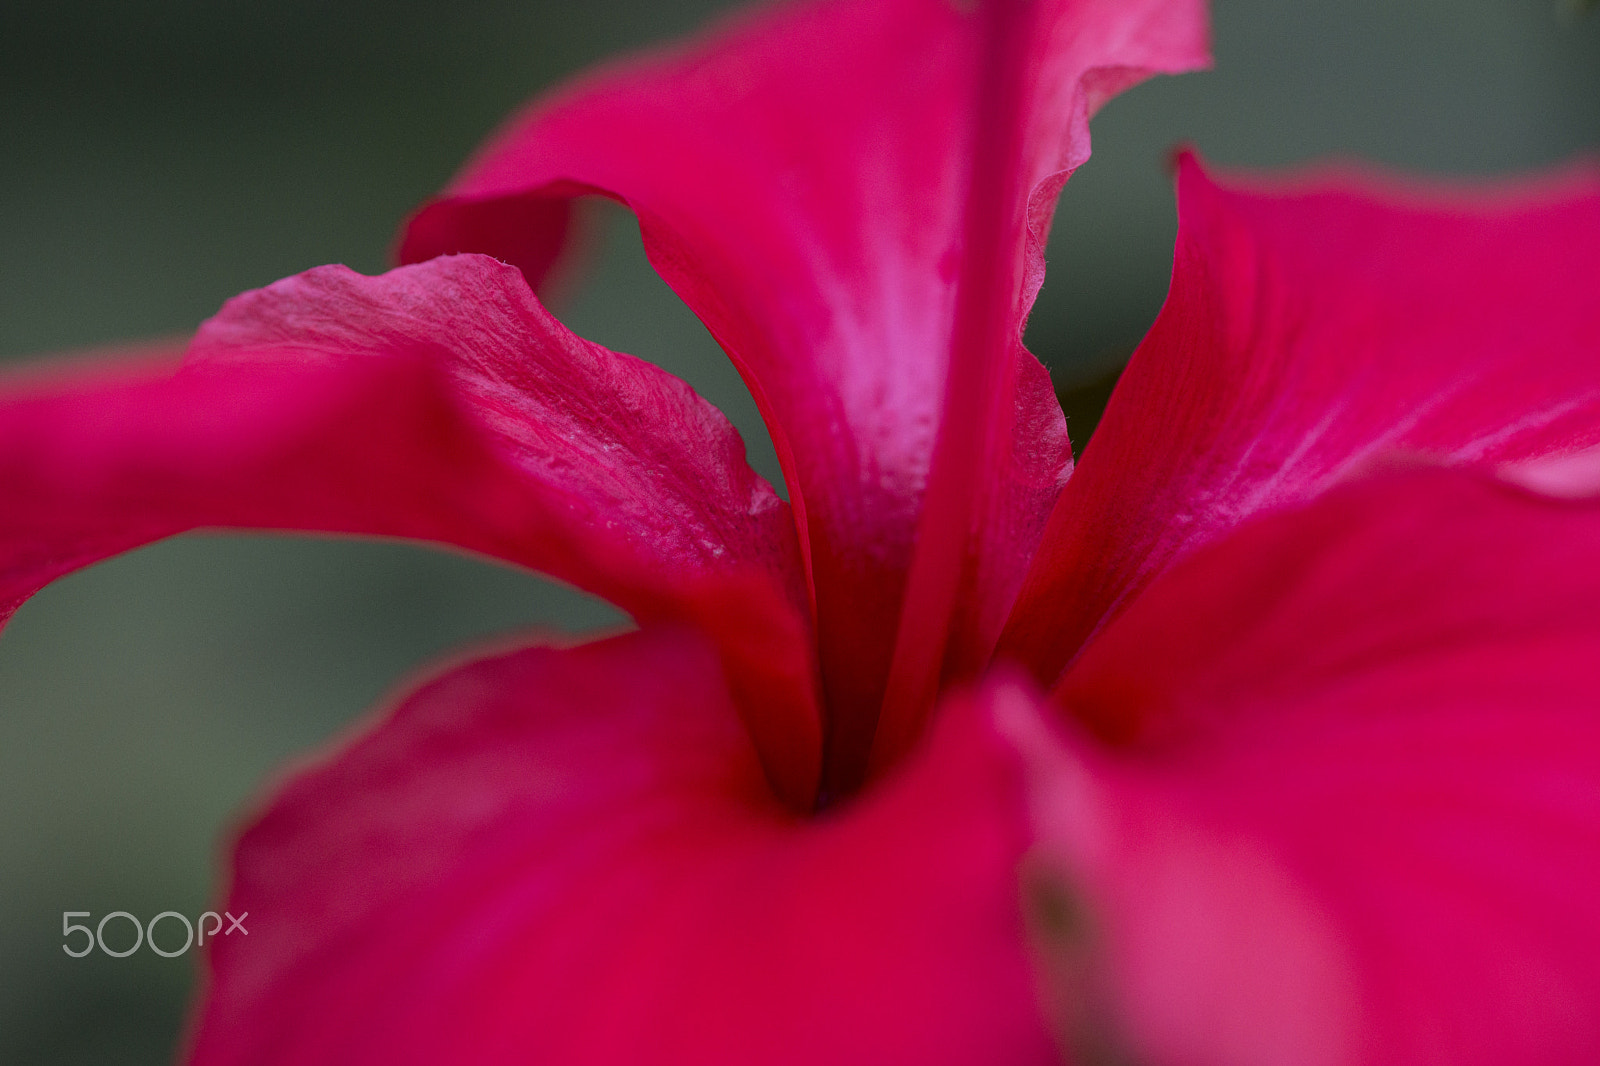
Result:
801,179
1311,326
570,857
442,403
1350,807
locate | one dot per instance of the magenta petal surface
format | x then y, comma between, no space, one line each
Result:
568,857
1313,325
1162,937
1384,708
438,402
800,177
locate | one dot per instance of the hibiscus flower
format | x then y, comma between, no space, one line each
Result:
1270,734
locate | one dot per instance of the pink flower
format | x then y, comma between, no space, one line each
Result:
1271,735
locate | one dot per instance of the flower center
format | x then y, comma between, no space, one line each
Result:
933,644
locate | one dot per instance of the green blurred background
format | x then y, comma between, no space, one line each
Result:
157,157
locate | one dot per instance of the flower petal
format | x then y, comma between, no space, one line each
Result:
1161,937
439,402
1377,718
997,464
571,857
800,178
1310,327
